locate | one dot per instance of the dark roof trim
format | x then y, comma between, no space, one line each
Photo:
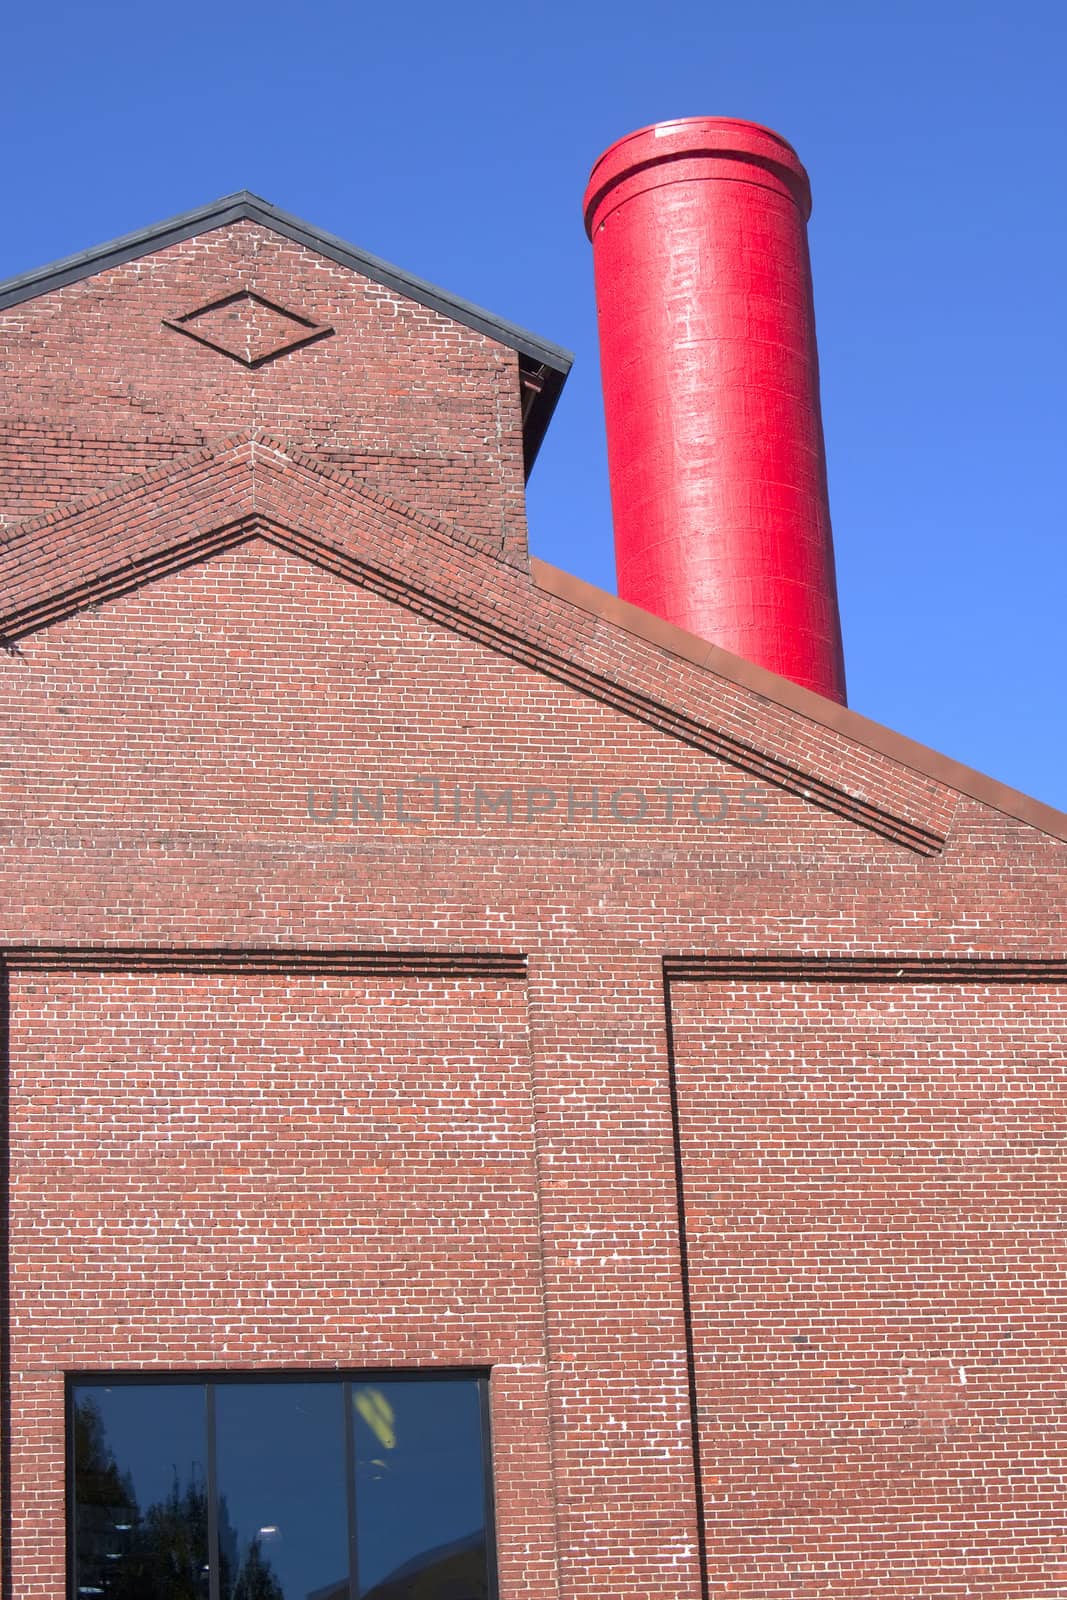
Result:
534,353
805,702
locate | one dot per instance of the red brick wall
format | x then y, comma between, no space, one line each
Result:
42,468
96,388
214,1171
162,748
498,1106
874,1193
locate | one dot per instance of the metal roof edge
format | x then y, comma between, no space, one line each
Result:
245,206
838,719
86,263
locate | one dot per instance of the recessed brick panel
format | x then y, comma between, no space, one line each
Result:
264,1172
874,1200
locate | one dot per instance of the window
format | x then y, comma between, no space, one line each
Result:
360,1487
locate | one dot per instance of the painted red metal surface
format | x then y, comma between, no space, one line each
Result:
711,388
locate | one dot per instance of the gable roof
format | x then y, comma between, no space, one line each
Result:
254,486
905,752
544,366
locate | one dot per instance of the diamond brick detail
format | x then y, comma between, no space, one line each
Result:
248,328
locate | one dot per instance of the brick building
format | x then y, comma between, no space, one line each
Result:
505,1097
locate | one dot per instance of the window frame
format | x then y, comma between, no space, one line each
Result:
211,1378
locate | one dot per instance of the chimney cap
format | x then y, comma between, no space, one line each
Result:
721,138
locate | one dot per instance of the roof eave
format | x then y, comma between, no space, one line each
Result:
804,702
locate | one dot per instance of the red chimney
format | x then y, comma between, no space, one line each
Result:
711,391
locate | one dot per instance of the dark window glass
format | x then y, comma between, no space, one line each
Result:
349,1488
283,1510
420,1490
140,1482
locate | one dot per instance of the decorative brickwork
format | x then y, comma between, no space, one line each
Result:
248,328
96,359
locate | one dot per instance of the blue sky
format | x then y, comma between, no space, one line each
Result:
455,140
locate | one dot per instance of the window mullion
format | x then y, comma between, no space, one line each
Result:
72,1514
214,1573
490,1508
350,1486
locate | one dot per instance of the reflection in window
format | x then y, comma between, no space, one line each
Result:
142,1514
362,1488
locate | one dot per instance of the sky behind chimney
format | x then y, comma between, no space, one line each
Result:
456,141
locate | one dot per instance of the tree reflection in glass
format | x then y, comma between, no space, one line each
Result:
138,1535
281,1474
341,1488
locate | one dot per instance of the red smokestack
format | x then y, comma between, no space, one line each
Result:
711,391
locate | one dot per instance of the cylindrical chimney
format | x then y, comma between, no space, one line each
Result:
711,392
